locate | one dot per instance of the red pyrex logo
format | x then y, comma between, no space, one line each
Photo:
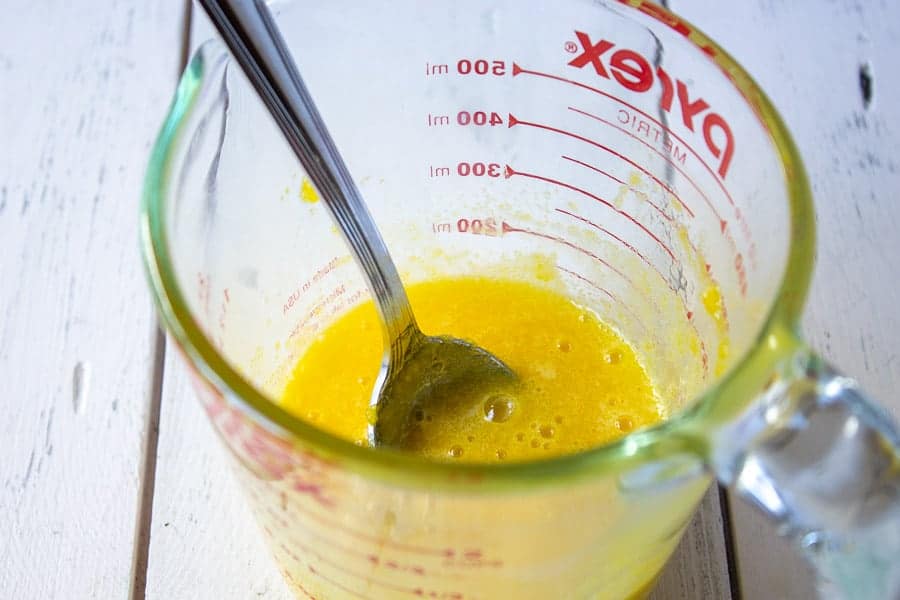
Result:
634,72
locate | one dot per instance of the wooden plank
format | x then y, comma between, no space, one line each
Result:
699,567
809,60
204,542
82,93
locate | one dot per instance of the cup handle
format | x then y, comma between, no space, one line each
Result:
821,459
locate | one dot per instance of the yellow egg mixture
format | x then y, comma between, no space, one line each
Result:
580,385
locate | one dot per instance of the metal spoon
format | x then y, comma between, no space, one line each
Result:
418,372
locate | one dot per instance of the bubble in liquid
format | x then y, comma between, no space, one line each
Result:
455,451
501,453
563,346
613,357
419,414
624,423
558,419
547,431
520,437
498,408
535,443
470,438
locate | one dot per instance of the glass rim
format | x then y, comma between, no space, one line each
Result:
417,472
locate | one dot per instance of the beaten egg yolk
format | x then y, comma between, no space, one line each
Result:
581,384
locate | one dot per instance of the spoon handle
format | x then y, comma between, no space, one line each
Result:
251,34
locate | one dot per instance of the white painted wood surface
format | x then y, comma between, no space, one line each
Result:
76,124
699,566
807,56
82,90
203,541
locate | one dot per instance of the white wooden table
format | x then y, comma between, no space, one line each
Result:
111,483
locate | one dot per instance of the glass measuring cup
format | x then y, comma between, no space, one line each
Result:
612,142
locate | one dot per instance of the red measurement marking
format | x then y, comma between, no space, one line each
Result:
514,121
621,241
480,66
314,490
305,592
203,290
289,552
507,228
739,267
703,356
231,424
472,558
606,292
395,566
299,585
336,584
383,584
666,18
619,181
686,237
516,70
473,564
510,172
305,286
722,222
310,319
347,551
329,523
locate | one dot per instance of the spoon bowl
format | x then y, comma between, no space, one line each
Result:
437,376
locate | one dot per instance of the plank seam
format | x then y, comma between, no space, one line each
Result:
730,554
141,553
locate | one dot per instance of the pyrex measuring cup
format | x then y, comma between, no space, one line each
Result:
605,148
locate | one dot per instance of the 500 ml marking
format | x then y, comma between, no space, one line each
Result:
469,66
474,226
481,66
